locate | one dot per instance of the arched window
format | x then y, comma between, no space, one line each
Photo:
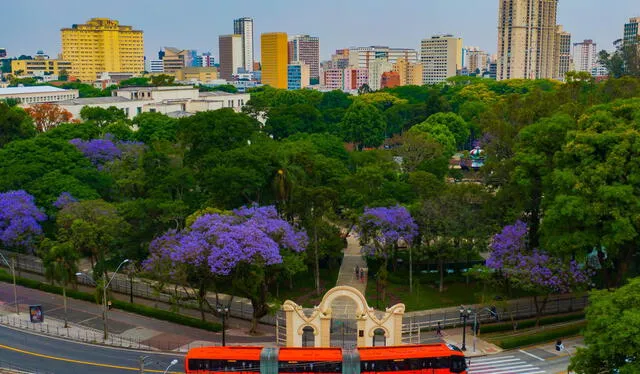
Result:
379,340
308,337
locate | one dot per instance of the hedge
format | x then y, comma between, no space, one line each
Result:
133,308
523,324
538,336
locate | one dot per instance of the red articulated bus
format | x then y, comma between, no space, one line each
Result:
410,359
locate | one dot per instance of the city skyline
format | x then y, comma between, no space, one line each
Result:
374,24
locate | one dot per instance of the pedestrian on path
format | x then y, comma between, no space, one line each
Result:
439,330
362,275
357,272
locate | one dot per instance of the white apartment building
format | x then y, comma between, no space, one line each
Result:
441,58
378,67
362,57
37,94
585,55
244,28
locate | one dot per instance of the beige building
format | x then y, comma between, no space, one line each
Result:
175,59
362,57
275,59
477,60
527,39
410,73
197,74
562,50
231,55
39,65
441,58
102,45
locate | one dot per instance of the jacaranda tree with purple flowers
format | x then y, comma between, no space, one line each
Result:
533,270
19,220
380,229
244,246
64,199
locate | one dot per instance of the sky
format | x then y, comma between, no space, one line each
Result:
30,25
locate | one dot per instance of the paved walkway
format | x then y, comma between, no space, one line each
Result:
352,258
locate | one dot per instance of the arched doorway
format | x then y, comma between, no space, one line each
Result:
308,337
344,327
379,338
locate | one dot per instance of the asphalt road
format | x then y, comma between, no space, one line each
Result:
40,354
525,361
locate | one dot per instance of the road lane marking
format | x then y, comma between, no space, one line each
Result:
78,361
530,354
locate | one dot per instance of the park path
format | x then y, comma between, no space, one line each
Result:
352,258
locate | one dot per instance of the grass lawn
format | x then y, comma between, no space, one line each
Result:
303,291
427,296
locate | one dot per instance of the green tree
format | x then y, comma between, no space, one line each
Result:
286,120
154,127
15,124
364,125
440,133
60,262
162,80
93,228
101,116
612,333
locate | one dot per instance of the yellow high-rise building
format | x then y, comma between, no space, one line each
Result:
275,58
102,45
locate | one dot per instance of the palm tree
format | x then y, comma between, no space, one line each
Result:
61,264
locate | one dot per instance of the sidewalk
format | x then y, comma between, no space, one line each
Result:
475,345
125,329
353,258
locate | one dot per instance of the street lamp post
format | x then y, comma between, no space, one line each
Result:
12,267
464,314
105,318
223,310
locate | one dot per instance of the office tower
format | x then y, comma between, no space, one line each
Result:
102,45
153,66
298,75
175,59
562,57
306,49
378,67
410,73
244,28
585,55
340,59
231,53
526,39
363,56
441,57
206,60
274,53
632,32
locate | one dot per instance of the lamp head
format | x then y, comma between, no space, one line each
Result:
175,361
125,261
78,274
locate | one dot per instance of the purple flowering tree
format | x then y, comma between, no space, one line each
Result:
533,270
19,220
64,199
102,151
246,246
380,230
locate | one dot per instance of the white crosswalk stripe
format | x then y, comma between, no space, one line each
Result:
502,365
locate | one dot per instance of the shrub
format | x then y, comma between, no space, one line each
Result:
538,336
523,324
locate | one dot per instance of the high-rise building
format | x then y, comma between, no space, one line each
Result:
102,45
231,53
175,59
363,56
340,60
306,49
526,39
585,55
206,60
562,58
476,61
632,32
410,73
441,57
332,79
298,75
274,53
3,52
244,28
378,67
